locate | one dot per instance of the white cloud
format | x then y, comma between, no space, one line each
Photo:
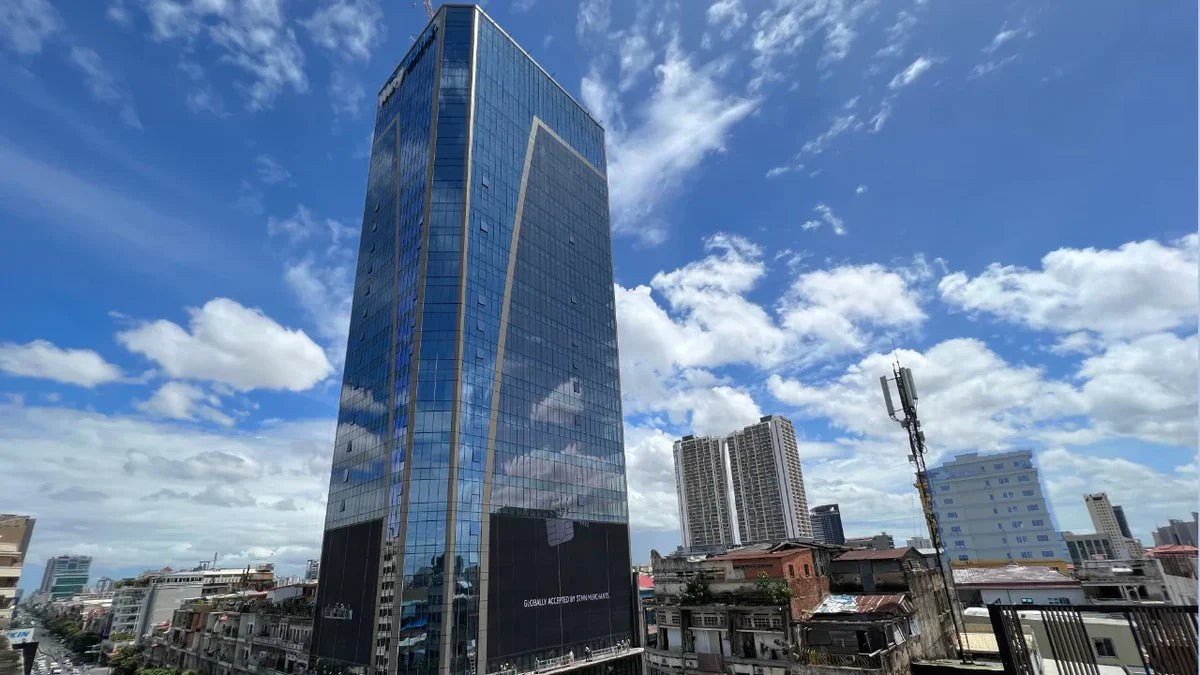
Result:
128,459
1142,287
1005,36
810,225
182,401
1082,342
348,28
226,342
840,125
592,19
986,67
827,214
650,466
269,170
103,85
635,56
1145,388
898,34
1154,495
841,309
911,73
253,35
686,117
726,15
42,359
783,29
26,24
880,118
346,93
861,189
970,398
776,171
117,13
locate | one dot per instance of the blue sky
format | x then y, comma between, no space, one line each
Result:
1002,195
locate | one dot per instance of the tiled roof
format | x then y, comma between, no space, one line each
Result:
862,604
871,554
645,581
1172,549
1010,574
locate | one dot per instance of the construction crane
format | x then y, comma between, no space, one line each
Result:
907,390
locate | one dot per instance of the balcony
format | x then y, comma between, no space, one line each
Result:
819,657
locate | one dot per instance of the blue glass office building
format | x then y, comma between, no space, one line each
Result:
477,514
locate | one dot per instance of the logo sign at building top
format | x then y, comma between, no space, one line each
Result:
19,636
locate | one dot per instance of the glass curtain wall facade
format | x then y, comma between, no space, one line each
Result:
477,510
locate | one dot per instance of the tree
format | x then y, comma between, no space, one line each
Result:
695,592
127,660
124,636
83,641
775,591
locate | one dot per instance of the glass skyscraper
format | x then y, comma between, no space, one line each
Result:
477,515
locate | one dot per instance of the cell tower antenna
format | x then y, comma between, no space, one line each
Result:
906,416
428,8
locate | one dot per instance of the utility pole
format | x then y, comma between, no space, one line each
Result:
916,443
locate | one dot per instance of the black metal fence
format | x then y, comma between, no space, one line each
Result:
1165,636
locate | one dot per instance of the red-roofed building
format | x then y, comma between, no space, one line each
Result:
1178,560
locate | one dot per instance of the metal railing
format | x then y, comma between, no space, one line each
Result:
545,665
818,657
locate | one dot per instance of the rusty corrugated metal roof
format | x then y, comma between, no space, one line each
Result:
871,554
863,604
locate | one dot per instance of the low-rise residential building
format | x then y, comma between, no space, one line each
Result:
150,600
775,610
1015,584
242,633
10,577
1177,559
1126,581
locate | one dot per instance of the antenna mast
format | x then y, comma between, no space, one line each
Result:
907,390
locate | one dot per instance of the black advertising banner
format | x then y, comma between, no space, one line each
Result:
556,582
344,622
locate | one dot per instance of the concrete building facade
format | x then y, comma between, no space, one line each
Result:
993,507
875,542
1089,546
15,534
1177,532
702,489
1106,521
827,524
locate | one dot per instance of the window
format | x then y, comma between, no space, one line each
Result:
999,526
1017,523
1012,509
1043,537
576,385
1026,554
1026,601
956,529
805,569
991,496
483,225
791,570
943,488
1104,647
1026,493
947,500
960,543
345,475
1023,478
964,557
952,514
1037,523
1031,507
1003,480
987,483
1006,495
1021,539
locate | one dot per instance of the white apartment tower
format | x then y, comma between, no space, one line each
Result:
744,488
702,488
1104,519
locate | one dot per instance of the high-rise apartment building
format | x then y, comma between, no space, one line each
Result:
993,507
1122,523
743,488
1105,520
702,488
827,524
477,509
65,575
768,485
